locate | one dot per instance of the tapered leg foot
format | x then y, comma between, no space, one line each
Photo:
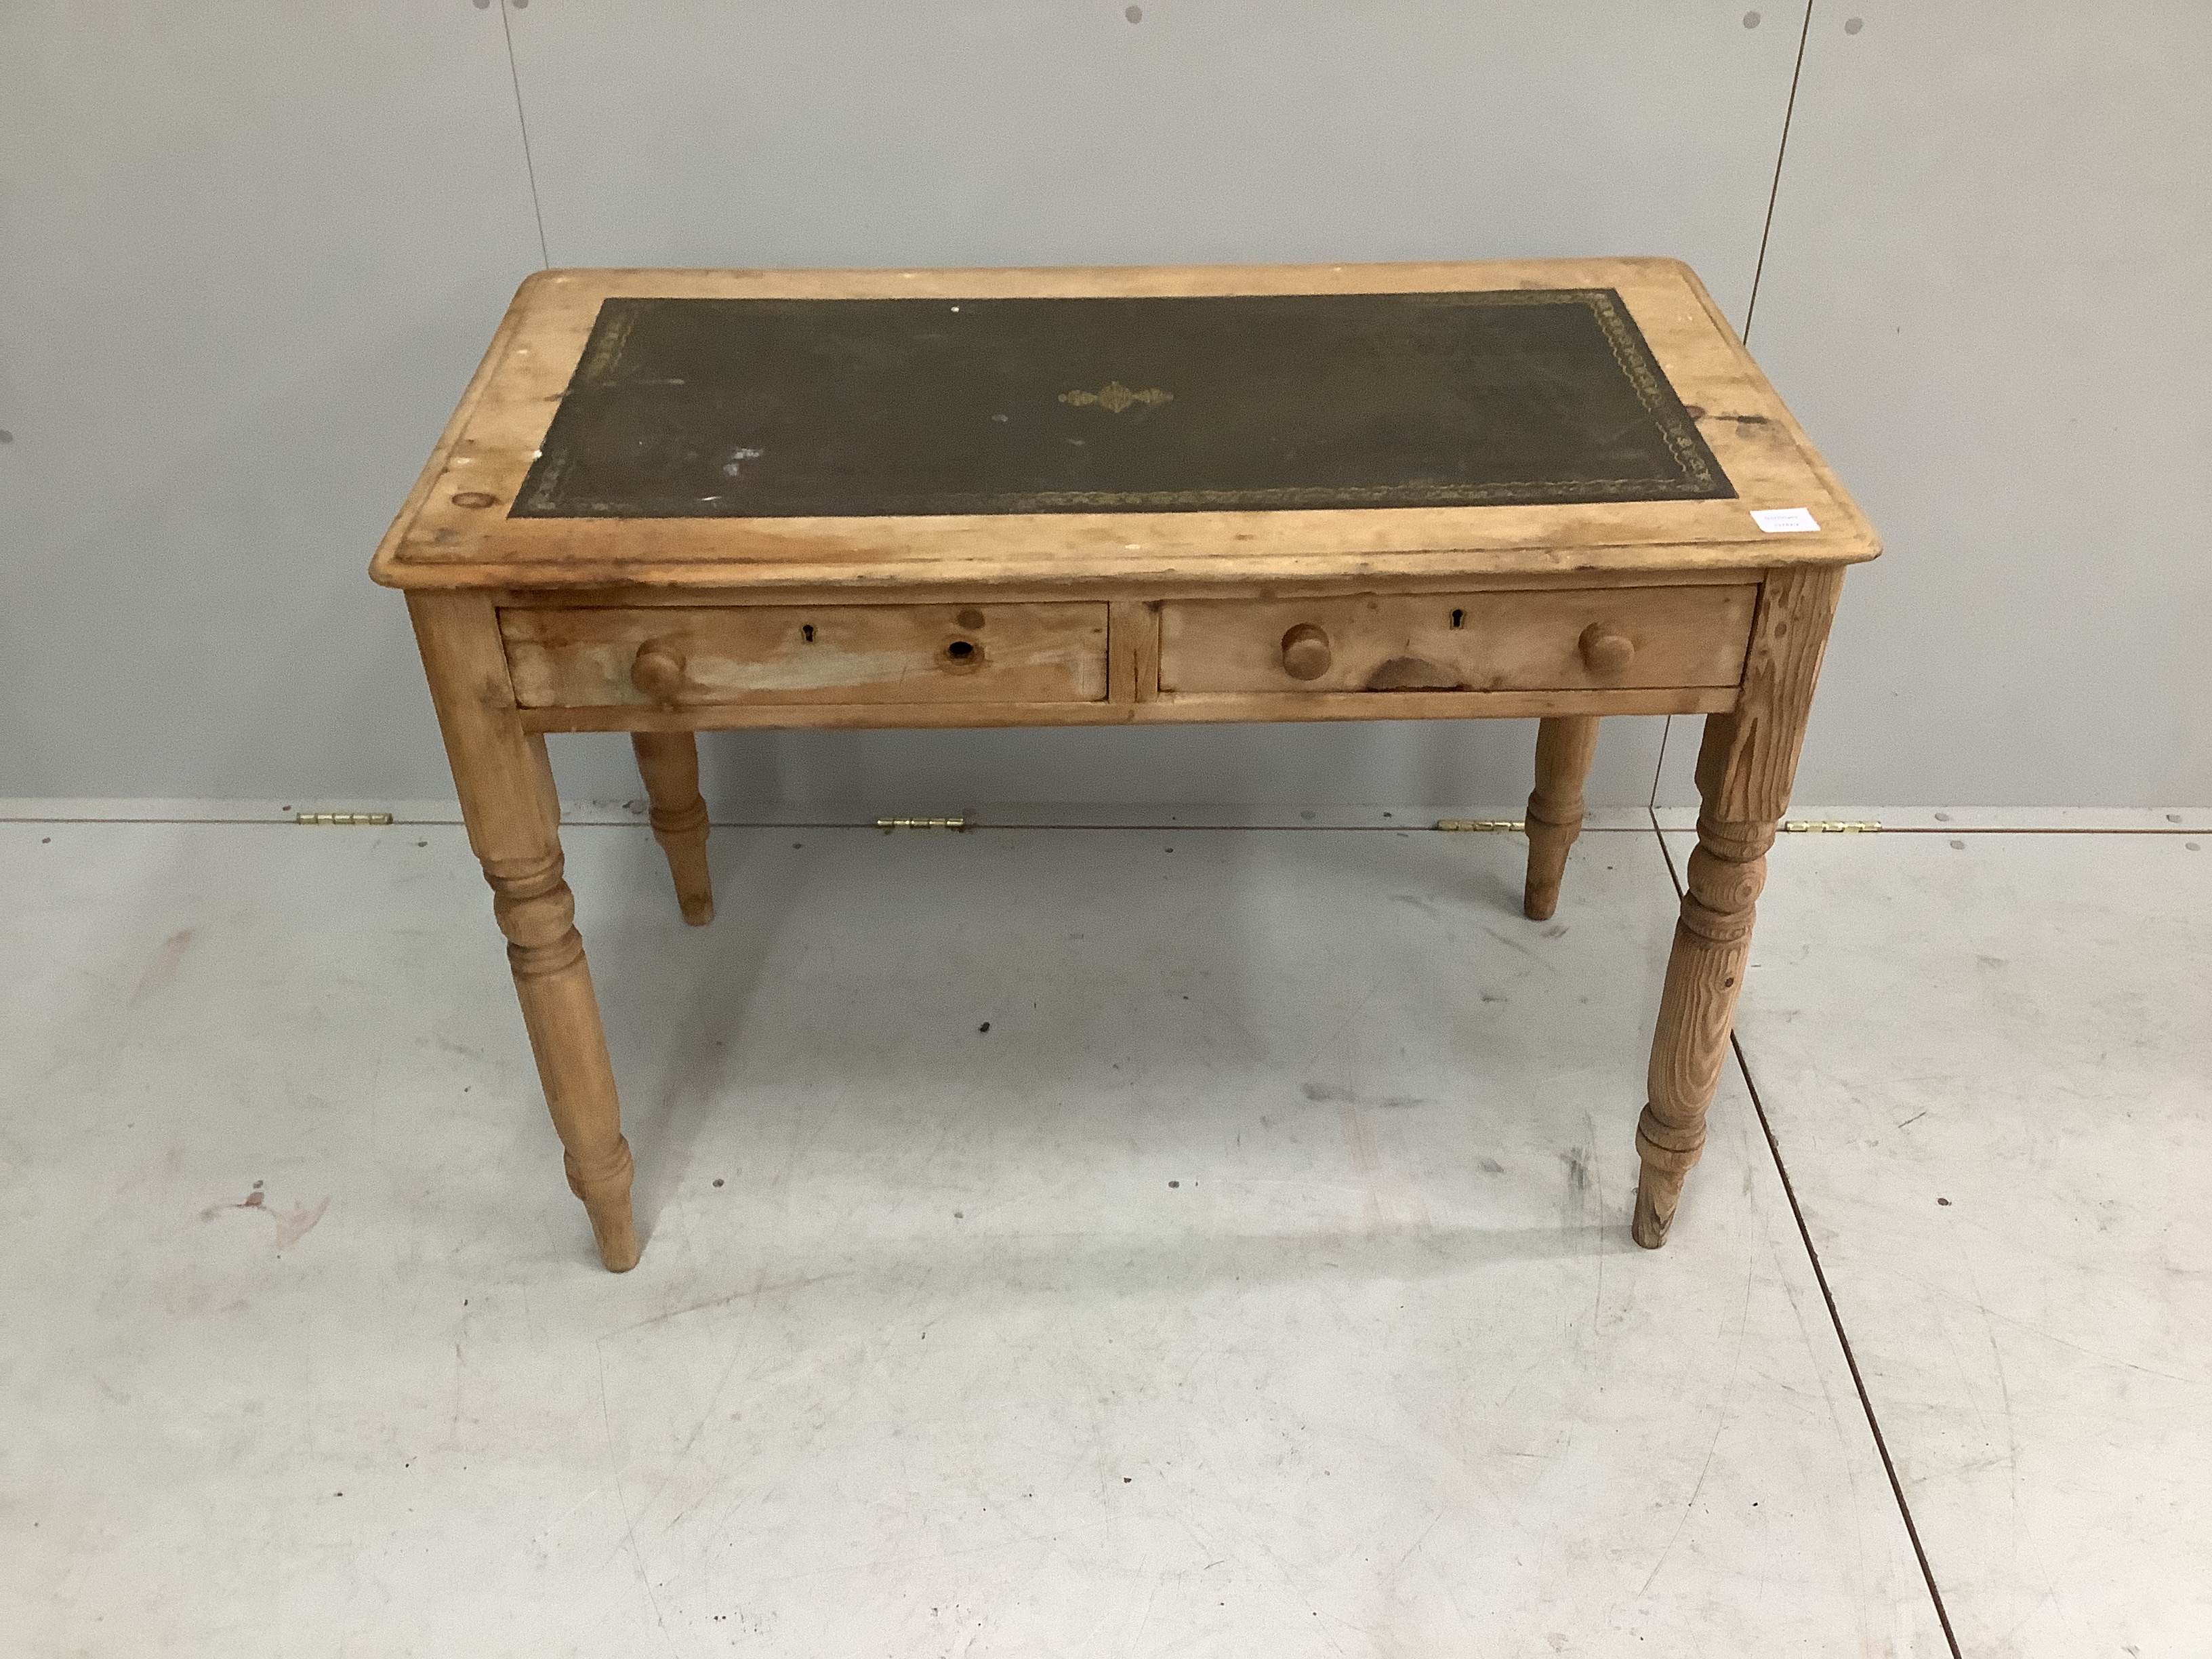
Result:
605,1193
1656,1195
669,764
1659,1180
1565,744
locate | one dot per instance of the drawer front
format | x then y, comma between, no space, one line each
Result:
1562,640
677,657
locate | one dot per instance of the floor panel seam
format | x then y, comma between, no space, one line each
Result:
1843,1340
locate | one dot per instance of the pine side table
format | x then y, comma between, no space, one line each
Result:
681,500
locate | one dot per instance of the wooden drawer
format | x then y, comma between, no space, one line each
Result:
1562,640
676,657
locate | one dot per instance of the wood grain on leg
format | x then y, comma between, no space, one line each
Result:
506,788
669,763
1697,1008
1564,744
1745,768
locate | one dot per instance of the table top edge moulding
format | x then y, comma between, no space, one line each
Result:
456,530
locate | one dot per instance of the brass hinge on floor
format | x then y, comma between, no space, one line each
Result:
1830,827
1481,823
889,824
342,817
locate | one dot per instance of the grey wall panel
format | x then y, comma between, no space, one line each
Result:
1982,296
1007,132
249,253
1003,131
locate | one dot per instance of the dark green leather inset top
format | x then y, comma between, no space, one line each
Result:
777,408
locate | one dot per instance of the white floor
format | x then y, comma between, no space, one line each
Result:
1258,1283
1988,1061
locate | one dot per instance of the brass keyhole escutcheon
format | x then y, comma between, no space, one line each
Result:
658,671
1305,652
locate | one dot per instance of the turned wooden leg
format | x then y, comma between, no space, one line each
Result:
506,788
1696,1009
1564,744
669,764
1745,768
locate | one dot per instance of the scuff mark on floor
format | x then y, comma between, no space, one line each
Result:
163,968
1359,1153
1329,1094
296,1222
292,1225
1579,1176
1511,944
1377,1153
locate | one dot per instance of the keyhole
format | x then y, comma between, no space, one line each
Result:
1459,619
960,650
806,633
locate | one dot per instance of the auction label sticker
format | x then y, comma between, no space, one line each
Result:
1776,520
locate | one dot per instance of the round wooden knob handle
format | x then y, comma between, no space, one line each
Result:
659,670
1305,653
1605,650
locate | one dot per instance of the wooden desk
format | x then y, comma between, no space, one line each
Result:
674,502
